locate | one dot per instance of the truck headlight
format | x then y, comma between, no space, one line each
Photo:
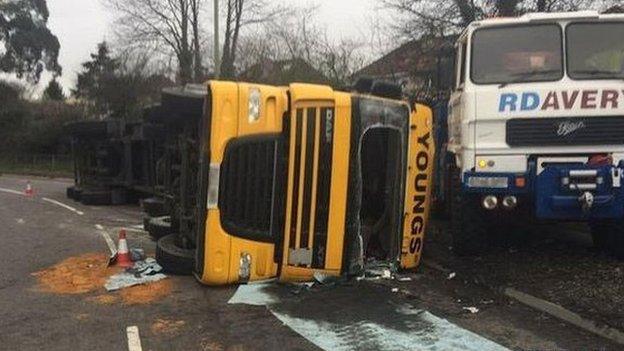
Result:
254,105
244,269
213,186
488,182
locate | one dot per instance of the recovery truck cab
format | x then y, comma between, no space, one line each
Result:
303,179
536,125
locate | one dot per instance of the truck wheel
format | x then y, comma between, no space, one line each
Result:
608,235
174,259
71,192
77,194
119,196
95,198
159,227
468,227
154,207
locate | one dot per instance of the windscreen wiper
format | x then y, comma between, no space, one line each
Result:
600,72
522,76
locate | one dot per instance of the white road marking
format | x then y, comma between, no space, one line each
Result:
67,207
134,340
566,315
108,239
11,191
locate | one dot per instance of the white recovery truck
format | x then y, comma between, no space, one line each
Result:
536,126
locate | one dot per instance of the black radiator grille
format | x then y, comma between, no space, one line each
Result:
565,131
246,187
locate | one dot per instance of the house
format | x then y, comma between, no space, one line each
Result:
423,68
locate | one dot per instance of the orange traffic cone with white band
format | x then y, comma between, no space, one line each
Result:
123,255
29,190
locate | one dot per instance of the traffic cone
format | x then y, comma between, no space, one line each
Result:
123,255
29,190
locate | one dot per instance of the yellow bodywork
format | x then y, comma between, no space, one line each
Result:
230,119
421,156
230,107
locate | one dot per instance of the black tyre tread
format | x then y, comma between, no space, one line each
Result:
154,207
158,227
174,259
468,230
119,196
608,236
146,221
71,192
77,194
95,198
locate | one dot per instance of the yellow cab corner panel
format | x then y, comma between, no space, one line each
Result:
261,108
340,182
224,124
217,251
303,92
259,256
419,183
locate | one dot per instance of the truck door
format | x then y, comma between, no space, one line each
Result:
317,182
418,188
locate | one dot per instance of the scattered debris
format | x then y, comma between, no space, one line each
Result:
325,279
76,275
137,254
395,290
405,279
472,310
167,327
141,273
20,221
451,276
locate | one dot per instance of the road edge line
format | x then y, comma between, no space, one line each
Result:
565,315
134,339
109,241
11,191
67,207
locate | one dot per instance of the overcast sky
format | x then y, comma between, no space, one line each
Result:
81,24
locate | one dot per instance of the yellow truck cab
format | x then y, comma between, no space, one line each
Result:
303,179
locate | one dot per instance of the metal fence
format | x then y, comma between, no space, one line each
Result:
40,164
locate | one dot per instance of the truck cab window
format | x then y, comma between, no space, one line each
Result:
517,54
595,50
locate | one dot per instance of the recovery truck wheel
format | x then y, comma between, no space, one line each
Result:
154,206
468,227
158,227
173,258
608,236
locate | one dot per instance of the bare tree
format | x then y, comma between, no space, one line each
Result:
442,17
169,24
239,14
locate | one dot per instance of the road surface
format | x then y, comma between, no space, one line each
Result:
38,233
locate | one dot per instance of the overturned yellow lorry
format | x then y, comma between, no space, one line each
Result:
303,179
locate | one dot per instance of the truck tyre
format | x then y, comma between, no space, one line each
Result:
154,207
159,227
77,194
468,227
608,236
172,258
96,198
71,192
119,196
